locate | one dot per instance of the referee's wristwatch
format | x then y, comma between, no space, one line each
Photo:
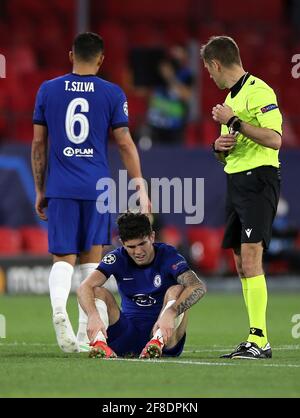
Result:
234,124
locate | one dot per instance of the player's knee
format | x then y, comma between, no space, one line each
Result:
251,267
252,260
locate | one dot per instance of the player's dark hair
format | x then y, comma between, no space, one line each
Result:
87,46
223,49
133,226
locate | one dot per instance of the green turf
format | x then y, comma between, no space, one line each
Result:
31,365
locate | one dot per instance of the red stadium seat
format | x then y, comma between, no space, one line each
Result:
115,38
205,248
171,235
206,30
137,107
209,133
146,35
22,129
10,241
167,10
30,8
229,262
210,94
277,267
35,240
290,97
254,11
176,34
193,137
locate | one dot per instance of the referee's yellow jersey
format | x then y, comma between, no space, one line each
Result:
256,104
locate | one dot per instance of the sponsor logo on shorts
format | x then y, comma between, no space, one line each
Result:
143,300
248,232
78,152
109,259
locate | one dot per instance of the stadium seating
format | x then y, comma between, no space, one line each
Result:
253,11
171,235
146,10
34,240
276,267
10,242
229,263
35,47
205,248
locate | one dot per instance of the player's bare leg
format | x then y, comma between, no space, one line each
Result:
109,312
89,261
154,347
60,285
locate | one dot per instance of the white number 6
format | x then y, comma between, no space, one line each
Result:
72,118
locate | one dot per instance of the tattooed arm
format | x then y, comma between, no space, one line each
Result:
39,150
131,161
193,290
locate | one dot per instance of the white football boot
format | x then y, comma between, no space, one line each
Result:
64,333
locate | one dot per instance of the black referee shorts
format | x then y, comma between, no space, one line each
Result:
251,204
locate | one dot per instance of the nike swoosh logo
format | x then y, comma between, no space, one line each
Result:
128,278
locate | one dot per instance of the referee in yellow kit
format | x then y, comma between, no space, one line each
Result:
248,146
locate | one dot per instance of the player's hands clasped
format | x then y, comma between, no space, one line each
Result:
222,113
225,142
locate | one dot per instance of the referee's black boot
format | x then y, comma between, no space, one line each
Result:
247,350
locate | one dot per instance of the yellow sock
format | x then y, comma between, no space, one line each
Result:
257,299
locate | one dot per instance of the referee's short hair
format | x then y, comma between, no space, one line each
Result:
87,46
223,49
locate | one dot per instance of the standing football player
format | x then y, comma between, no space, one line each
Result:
74,113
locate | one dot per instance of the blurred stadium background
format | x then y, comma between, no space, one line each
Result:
35,37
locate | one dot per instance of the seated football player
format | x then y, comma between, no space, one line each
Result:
156,287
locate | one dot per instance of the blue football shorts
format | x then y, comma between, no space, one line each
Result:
128,336
76,225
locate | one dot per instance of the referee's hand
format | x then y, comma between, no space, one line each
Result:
222,113
225,142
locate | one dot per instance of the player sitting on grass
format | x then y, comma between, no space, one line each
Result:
156,287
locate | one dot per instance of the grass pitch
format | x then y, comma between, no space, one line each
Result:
31,364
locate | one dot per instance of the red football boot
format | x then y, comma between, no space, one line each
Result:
153,349
100,349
